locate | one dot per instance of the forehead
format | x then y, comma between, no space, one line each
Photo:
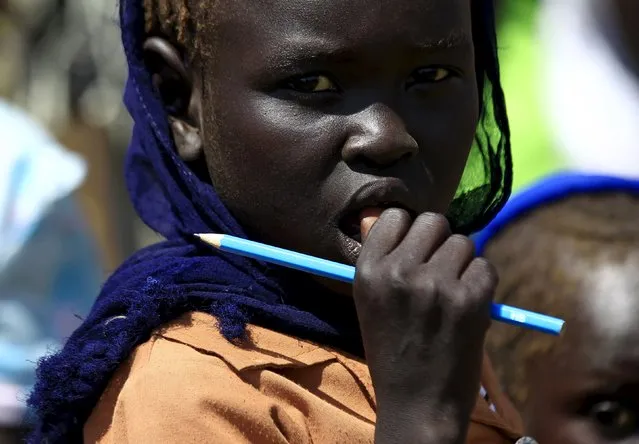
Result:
610,296
605,328
259,23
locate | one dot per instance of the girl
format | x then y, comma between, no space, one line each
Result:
569,246
299,124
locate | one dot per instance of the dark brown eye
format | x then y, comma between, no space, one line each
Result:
312,84
615,420
429,75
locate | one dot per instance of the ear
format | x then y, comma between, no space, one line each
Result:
181,95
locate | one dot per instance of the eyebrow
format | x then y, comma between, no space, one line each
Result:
300,51
456,39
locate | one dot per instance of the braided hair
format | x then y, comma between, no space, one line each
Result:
537,257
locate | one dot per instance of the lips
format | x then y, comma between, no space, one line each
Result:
380,194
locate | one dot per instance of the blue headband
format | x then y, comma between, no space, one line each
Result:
548,190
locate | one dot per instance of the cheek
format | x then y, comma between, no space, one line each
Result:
286,144
549,413
268,162
555,428
446,132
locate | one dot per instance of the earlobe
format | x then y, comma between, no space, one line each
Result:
187,138
180,94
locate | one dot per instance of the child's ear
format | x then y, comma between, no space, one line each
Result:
181,95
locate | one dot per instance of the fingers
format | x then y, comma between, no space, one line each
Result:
481,275
453,257
426,235
427,240
386,233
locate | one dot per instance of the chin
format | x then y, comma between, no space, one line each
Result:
334,246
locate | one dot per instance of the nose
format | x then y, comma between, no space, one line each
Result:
379,139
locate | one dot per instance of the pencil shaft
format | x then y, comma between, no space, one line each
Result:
532,320
346,273
287,258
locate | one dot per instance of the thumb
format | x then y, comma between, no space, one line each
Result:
367,218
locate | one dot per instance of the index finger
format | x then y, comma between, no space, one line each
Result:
381,235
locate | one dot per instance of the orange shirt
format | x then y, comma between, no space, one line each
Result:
190,385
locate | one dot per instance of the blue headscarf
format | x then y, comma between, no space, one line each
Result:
161,282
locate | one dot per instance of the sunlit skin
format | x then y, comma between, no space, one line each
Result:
587,391
317,106
320,121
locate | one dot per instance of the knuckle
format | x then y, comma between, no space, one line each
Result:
434,221
429,286
486,265
463,294
478,303
397,216
462,242
472,312
398,276
365,273
460,298
488,278
428,296
466,298
391,276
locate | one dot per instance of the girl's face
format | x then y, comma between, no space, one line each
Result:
312,110
588,391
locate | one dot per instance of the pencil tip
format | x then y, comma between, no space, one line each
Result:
212,239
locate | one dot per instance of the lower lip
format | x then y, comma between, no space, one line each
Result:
349,248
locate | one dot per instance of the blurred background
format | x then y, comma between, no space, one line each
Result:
65,218
61,61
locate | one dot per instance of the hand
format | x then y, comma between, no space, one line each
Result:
423,302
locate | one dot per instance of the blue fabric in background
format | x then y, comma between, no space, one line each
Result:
50,270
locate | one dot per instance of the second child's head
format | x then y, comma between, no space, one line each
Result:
302,113
577,259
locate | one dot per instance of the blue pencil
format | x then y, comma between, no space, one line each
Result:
346,273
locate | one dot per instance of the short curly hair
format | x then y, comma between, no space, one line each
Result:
173,19
532,257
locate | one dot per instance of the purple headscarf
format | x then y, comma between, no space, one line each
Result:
161,282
